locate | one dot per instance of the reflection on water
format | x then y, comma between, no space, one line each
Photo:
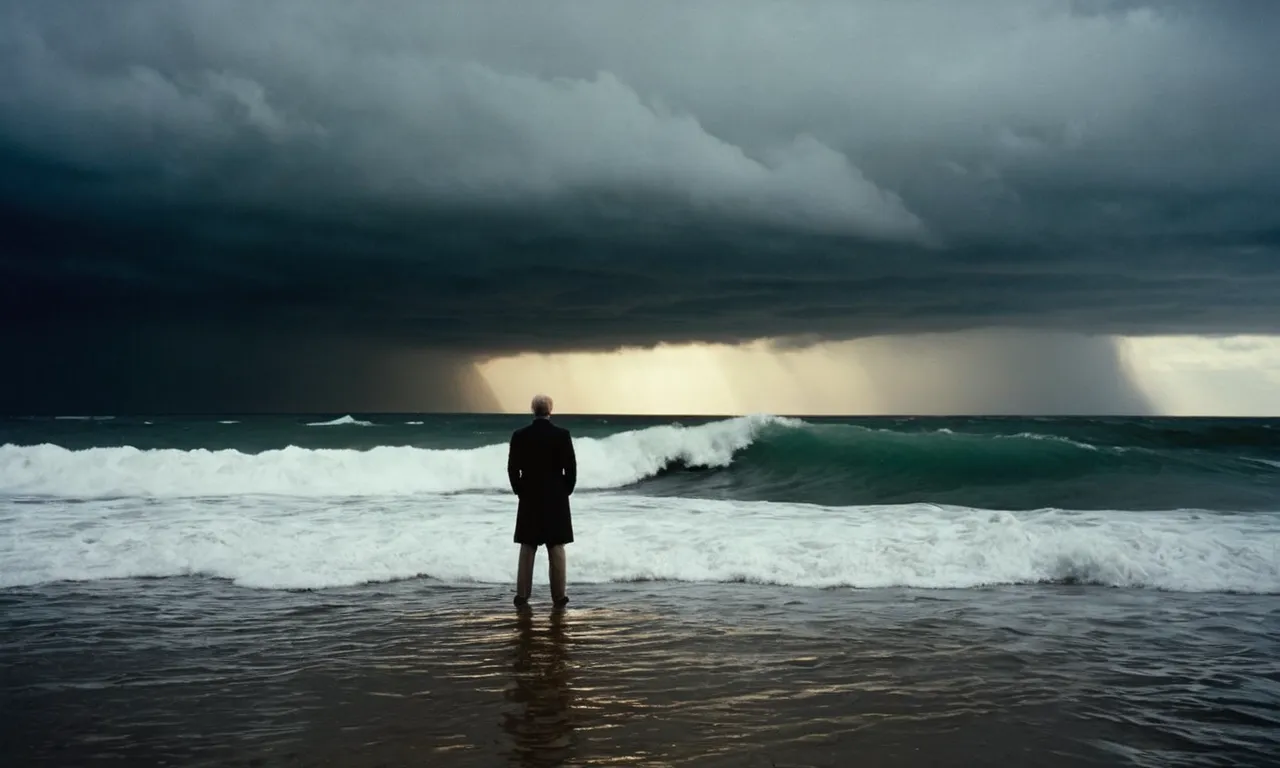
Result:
541,723
197,672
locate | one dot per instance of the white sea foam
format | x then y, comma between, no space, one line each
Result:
1053,439
341,421
1263,462
609,462
310,543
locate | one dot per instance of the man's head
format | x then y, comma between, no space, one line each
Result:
541,406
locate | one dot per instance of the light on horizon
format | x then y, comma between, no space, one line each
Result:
942,374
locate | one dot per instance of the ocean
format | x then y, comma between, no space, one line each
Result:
755,591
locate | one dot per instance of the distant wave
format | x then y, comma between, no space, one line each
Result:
229,421
314,544
341,421
1263,462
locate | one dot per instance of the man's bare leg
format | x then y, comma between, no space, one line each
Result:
556,565
524,575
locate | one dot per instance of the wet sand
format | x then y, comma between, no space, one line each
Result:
192,671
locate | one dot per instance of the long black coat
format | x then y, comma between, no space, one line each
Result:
543,471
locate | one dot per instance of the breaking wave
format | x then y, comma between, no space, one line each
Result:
341,421
747,458
610,462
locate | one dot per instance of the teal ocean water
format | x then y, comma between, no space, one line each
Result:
999,463
1182,504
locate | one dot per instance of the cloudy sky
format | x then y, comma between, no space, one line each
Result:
858,206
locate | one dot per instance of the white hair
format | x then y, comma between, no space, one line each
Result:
541,405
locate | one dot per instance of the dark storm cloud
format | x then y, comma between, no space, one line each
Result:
226,368
499,176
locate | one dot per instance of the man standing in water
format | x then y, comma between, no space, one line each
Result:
543,470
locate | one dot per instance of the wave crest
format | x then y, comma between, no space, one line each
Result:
341,421
610,462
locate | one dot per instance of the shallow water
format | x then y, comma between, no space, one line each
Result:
194,671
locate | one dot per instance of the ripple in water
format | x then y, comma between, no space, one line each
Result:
201,672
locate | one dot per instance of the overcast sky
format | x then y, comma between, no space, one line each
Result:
217,205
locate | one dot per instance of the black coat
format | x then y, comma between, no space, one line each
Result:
543,470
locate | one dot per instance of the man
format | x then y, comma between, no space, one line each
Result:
542,469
